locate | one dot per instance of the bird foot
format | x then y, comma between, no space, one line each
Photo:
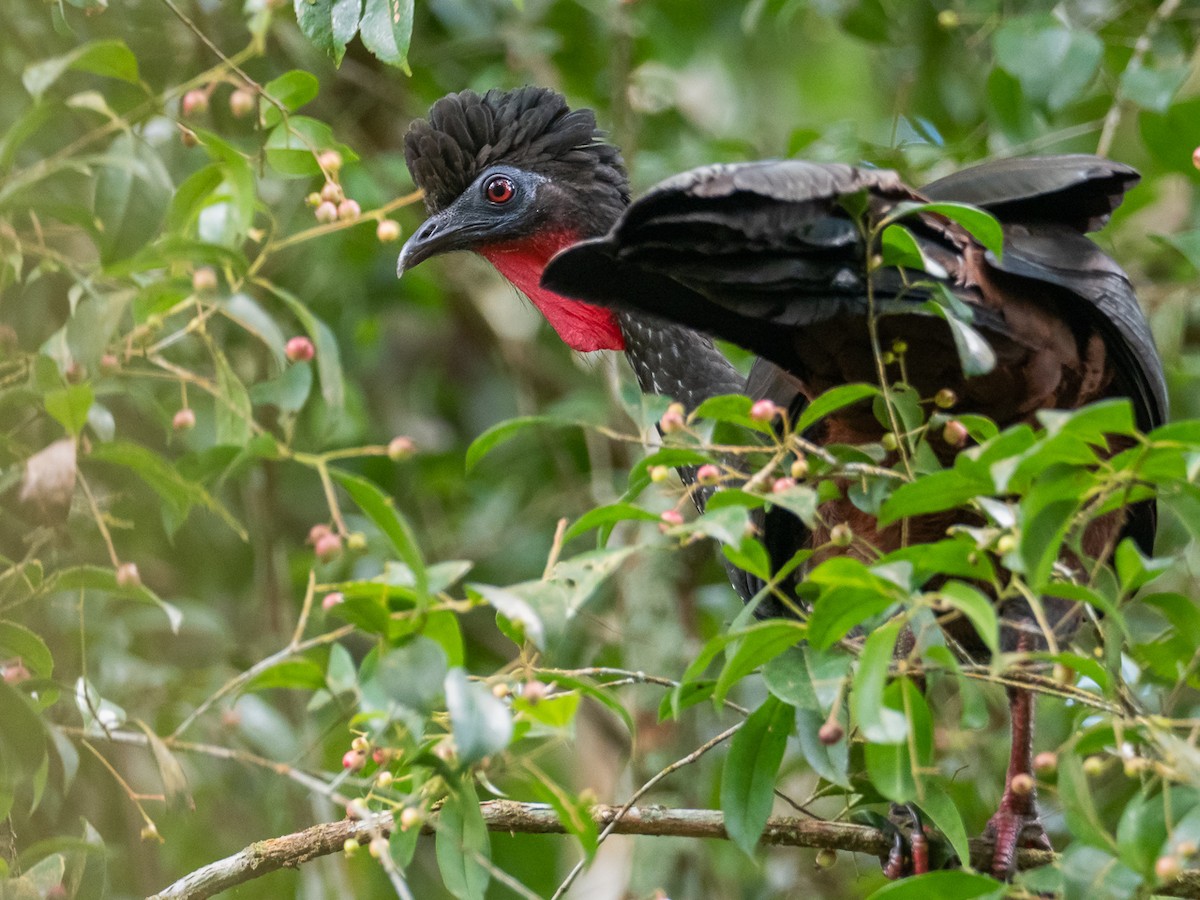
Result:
1010,829
909,854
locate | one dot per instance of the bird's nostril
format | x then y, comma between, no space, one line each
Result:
428,230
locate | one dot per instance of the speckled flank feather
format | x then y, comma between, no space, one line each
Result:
531,128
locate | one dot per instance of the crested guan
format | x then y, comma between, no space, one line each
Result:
766,255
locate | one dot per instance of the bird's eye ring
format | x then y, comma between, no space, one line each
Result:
499,189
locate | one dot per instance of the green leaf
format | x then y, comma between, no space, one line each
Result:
233,410
725,408
411,676
192,196
975,354
110,58
175,785
901,249
481,723
386,30
748,777
505,431
292,146
894,768
879,723
329,24
833,400
18,642
327,357
934,492
607,515
1153,89
79,578
944,814
291,90
830,761
758,644
574,813
1142,830
516,611
1053,63
381,509
298,673
979,223
1079,806
178,493
132,192
462,842
807,678
942,885
69,406
977,607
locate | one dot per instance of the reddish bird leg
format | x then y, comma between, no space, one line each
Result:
1016,823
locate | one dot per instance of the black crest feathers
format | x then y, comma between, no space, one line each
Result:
531,128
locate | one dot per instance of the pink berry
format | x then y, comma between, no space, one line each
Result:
317,532
400,448
669,519
194,103
1196,157
204,280
332,192
110,363
353,760
15,672
128,575
708,474
241,103
184,420
387,230
332,600
328,547
300,349
955,433
782,484
330,160
763,411
326,212
672,419
831,732
349,209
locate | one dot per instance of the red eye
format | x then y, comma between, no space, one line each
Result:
499,189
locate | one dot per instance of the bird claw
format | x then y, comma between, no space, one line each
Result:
1009,830
909,854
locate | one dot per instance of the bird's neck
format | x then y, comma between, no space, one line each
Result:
580,325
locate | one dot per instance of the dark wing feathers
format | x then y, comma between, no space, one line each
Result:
1076,190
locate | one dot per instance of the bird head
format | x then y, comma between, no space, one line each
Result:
516,176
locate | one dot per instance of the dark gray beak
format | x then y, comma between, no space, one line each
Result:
441,233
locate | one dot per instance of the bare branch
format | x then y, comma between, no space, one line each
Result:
292,850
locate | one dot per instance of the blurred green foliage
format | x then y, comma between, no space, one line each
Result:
159,253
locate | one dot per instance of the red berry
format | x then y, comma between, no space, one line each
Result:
184,419
353,760
300,349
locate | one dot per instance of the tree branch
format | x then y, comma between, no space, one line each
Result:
510,816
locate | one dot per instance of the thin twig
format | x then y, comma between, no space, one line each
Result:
1113,117
641,792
